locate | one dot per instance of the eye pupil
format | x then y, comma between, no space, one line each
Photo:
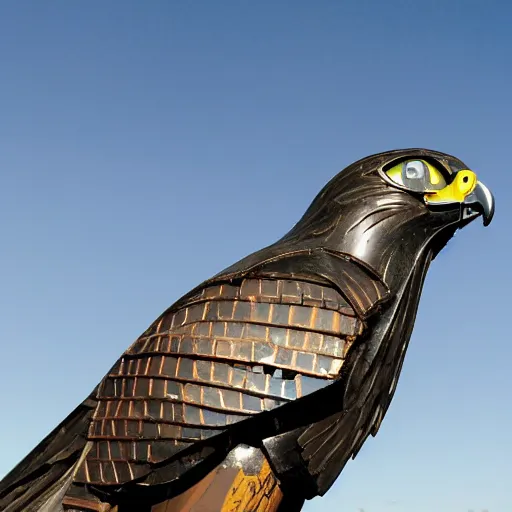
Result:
465,179
414,170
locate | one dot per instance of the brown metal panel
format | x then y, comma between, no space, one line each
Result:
214,362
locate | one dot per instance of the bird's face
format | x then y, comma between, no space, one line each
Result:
410,201
388,209
441,186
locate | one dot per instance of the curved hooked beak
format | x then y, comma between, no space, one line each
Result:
479,202
473,196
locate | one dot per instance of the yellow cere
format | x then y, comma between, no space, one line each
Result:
436,177
463,184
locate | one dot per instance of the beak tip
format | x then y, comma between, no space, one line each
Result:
489,209
488,218
483,200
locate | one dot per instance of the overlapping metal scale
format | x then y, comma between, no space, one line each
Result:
230,352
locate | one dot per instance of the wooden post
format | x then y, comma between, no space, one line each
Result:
244,482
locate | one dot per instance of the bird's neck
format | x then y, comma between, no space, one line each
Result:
393,246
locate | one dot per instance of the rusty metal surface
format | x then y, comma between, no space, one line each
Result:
230,352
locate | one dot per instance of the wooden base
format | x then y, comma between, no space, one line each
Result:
243,483
80,505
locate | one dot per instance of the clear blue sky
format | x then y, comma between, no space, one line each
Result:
132,133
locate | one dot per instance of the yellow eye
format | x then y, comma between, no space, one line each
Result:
417,175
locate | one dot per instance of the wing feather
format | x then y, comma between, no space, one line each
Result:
228,353
328,445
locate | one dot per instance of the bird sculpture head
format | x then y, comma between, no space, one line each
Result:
387,209
417,192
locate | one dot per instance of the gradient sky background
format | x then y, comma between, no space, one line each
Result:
132,133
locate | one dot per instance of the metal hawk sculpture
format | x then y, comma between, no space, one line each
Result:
251,392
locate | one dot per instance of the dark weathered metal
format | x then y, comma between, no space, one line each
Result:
292,354
228,353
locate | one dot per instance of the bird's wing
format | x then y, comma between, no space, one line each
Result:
227,353
226,362
45,470
372,371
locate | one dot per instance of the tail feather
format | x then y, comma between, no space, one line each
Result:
38,481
